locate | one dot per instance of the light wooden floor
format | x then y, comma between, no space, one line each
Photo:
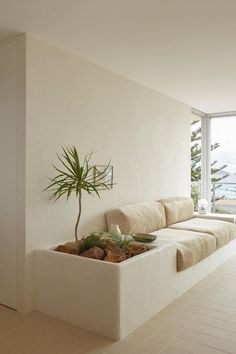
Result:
202,321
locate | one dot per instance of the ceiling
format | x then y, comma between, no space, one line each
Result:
185,49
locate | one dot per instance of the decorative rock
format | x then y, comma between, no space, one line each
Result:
111,253
69,247
94,252
115,255
137,248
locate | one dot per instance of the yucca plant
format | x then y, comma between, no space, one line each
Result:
77,177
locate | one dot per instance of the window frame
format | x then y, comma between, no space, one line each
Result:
206,119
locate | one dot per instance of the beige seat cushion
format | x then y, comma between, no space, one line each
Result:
142,217
178,209
192,247
223,231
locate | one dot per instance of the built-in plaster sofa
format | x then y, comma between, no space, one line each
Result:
75,289
173,220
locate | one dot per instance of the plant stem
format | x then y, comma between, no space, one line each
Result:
78,218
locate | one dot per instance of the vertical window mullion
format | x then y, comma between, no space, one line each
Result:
206,160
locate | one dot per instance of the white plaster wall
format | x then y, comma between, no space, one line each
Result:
12,151
8,160
71,101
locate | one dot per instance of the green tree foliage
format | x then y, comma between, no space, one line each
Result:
196,162
195,153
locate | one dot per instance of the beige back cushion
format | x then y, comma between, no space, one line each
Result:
142,217
178,209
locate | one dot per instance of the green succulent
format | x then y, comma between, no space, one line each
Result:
121,241
93,240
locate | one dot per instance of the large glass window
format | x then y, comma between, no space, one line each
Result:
213,161
223,164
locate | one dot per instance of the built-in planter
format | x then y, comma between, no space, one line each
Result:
111,299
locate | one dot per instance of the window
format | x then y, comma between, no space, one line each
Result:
213,161
223,161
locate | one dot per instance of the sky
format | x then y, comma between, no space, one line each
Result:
223,131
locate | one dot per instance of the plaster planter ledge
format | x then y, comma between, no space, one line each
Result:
111,299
